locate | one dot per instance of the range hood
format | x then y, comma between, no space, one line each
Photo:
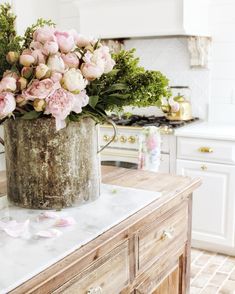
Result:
109,19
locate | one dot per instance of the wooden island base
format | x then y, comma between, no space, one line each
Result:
147,253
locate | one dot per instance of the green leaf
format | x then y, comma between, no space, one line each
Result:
93,100
119,96
116,87
31,115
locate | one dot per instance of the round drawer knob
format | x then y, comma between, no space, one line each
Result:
132,139
106,138
95,290
167,234
123,139
203,167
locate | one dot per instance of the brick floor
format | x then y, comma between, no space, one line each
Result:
212,273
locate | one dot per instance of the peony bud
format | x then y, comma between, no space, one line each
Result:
20,100
12,57
27,60
42,71
26,72
22,83
39,104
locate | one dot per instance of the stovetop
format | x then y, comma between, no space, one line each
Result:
143,121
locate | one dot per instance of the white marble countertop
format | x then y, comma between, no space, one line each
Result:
208,130
24,257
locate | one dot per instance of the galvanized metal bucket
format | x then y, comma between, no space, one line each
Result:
49,169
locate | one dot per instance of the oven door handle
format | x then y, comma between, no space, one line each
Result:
112,138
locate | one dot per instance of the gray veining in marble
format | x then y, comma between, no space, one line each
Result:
23,258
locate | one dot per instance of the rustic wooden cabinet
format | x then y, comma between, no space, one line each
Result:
147,253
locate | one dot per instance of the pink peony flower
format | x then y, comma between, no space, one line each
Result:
103,53
73,80
40,89
36,45
8,83
83,98
60,104
44,34
26,59
9,73
65,41
50,48
38,56
82,41
56,77
56,64
42,71
71,60
7,104
92,71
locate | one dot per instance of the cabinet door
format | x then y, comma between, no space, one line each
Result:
213,202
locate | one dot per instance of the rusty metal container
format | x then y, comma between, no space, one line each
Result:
49,169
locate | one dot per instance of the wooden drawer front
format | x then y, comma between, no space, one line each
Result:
208,150
156,239
109,274
165,277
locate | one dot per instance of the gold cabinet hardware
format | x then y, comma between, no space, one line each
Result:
95,290
115,139
203,167
132,139
167,234
205,149
123,139
106,138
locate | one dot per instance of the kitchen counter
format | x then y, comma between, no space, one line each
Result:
207,130
31,262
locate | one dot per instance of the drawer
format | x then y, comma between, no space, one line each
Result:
109,274
206,150
155,239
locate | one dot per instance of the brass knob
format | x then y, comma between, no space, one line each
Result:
203,167
123,139
95,290
106,138
132,139
167,234
205,149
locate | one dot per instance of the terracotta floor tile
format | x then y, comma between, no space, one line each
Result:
218,279
227,266
232,275
228,287
210,268
210,289
201,280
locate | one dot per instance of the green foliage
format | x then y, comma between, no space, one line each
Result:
9,41
28,36
127,84
31,115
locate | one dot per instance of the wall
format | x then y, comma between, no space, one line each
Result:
222,22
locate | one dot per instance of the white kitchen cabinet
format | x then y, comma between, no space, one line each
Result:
213,204
137,18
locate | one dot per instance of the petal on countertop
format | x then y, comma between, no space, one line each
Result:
50,233
48,214
15,229
65,221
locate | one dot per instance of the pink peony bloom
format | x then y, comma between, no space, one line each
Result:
8,84
83,98
36,45
42,71
38,56
9,73
92,71
56,77
65,41
40,89
56,63
7,104
60,104
74,81
103,53
27,59
50,48
71,60
44,34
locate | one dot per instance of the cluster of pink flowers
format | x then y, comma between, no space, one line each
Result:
53,73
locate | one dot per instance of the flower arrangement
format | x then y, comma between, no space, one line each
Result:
65,75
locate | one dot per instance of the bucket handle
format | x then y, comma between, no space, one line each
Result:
105,146
113,137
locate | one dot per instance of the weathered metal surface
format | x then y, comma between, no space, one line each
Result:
47,169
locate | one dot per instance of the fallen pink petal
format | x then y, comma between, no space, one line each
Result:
65,221
48,214
15,229
50,233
